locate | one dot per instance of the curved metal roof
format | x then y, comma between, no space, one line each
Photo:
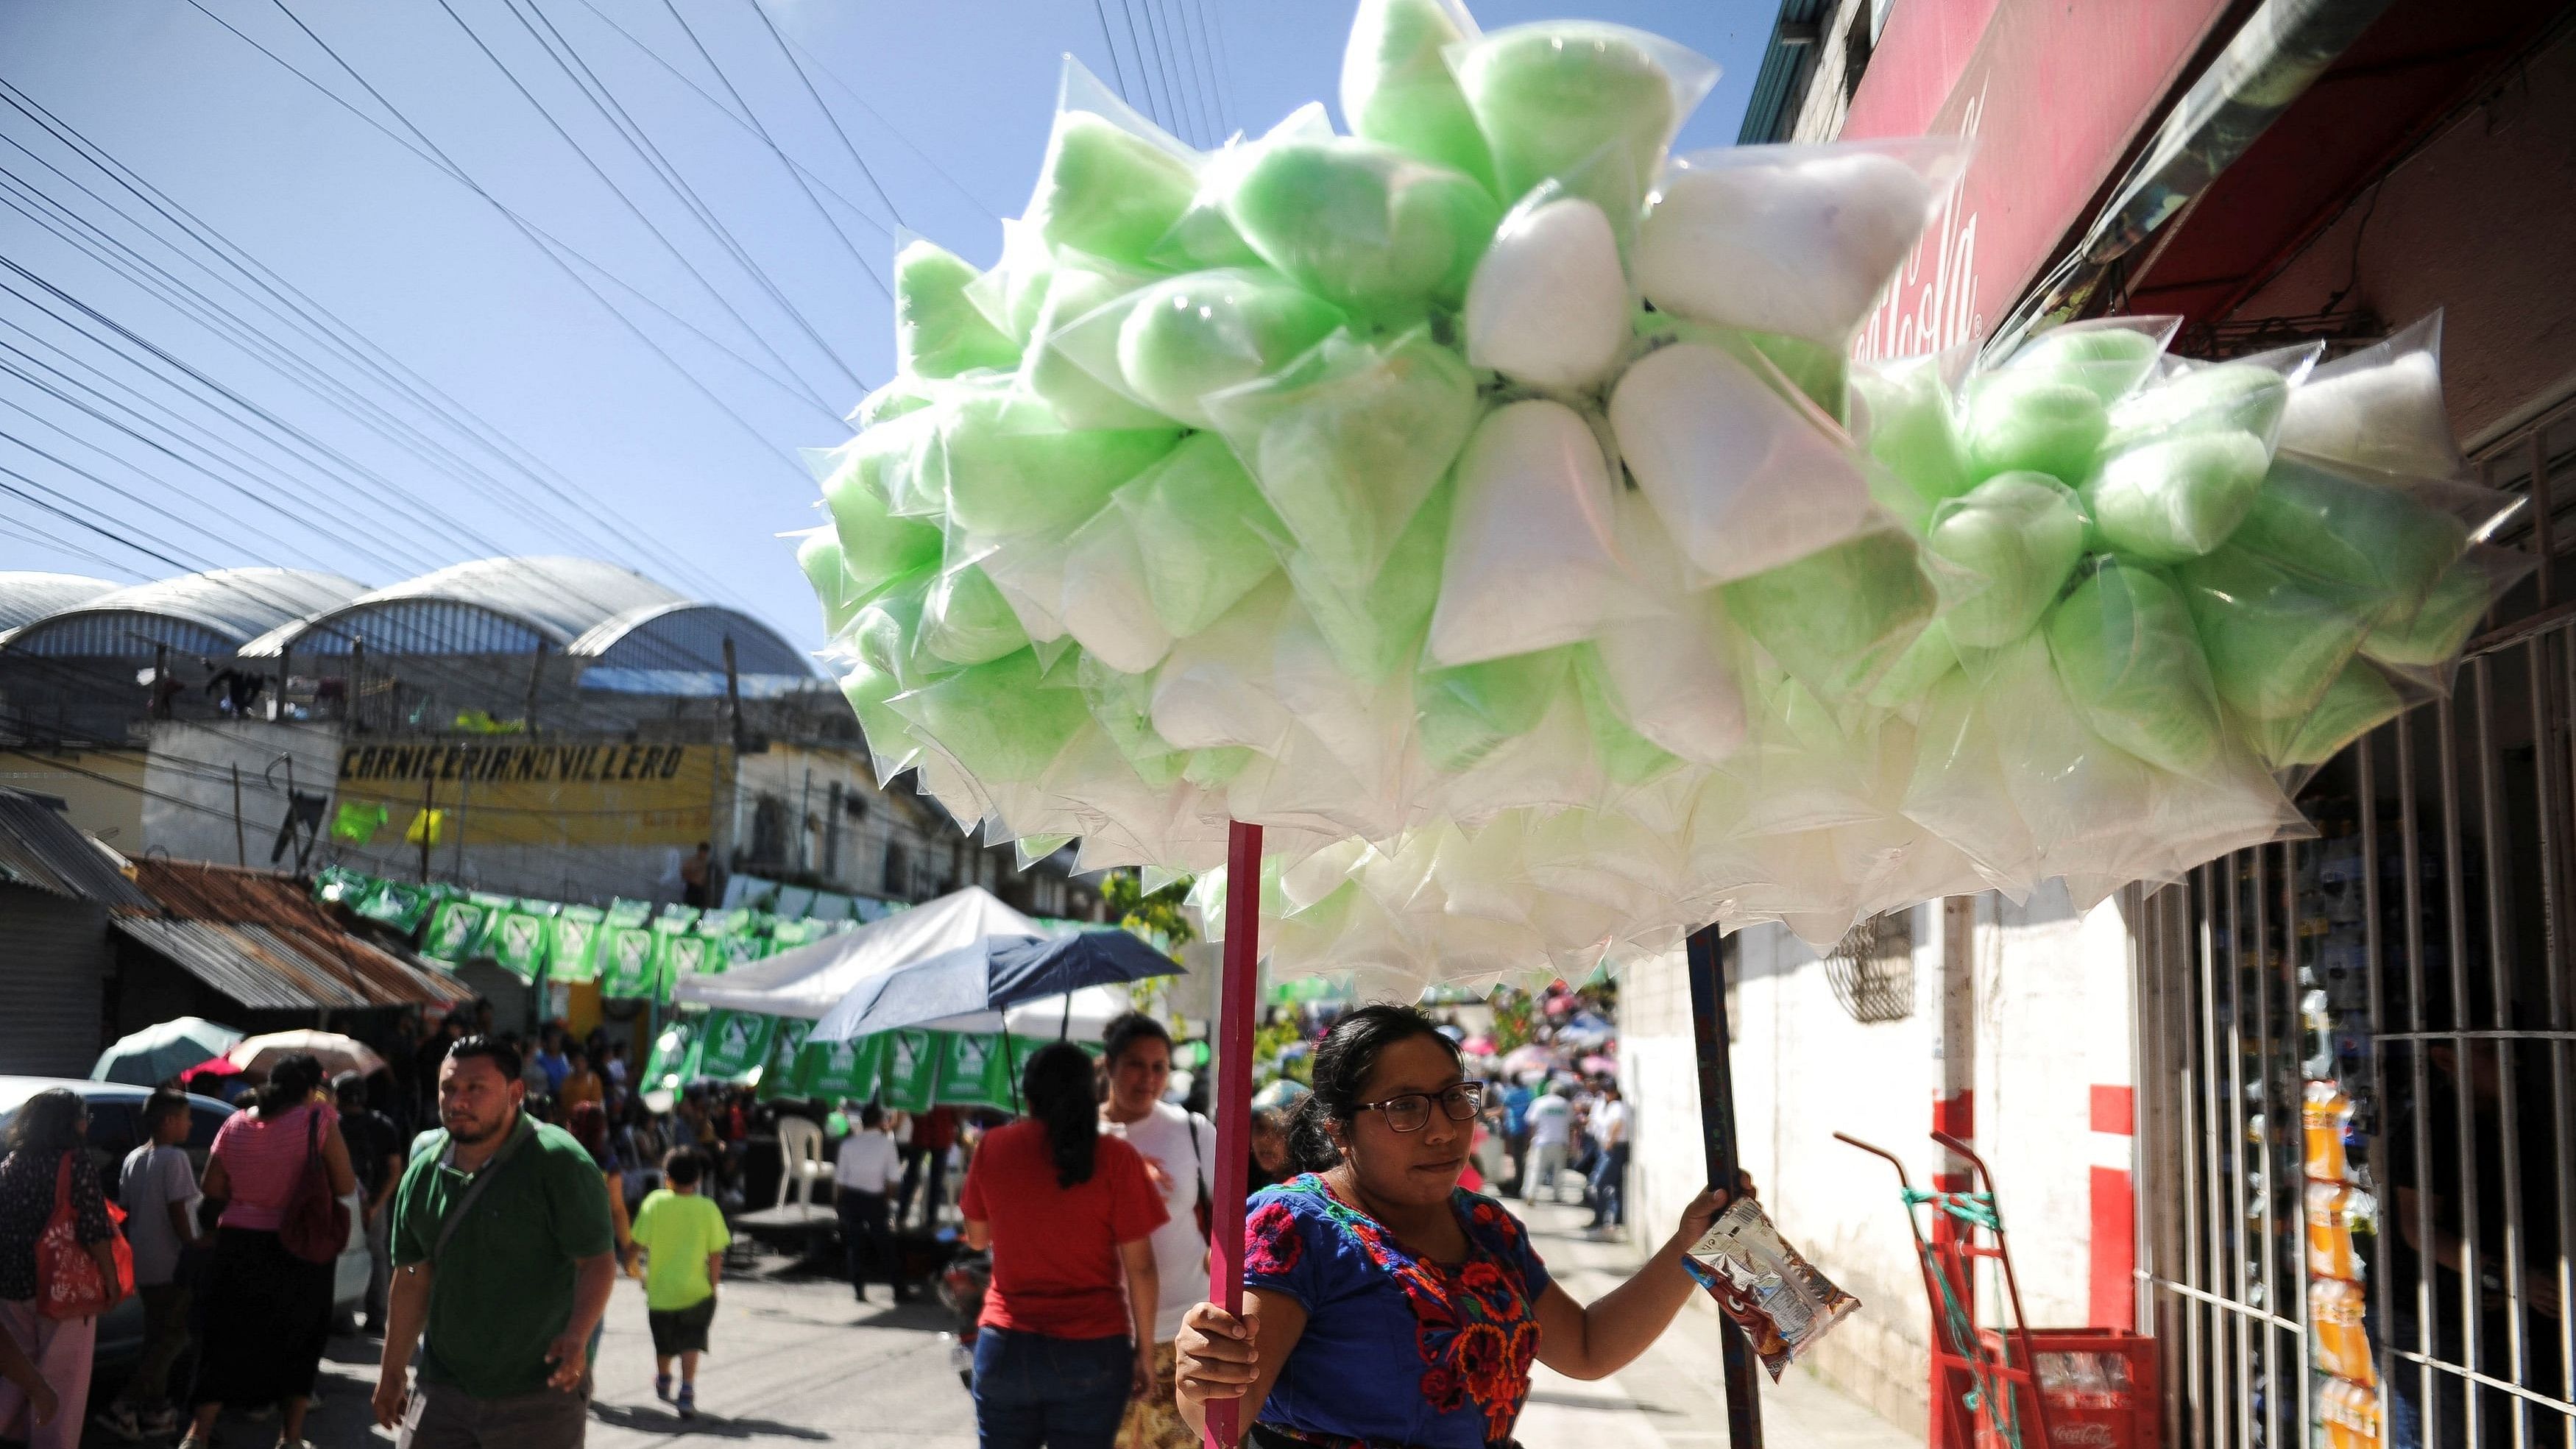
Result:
27,595
559,597
670,625
236,604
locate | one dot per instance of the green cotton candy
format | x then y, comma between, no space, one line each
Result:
2230,396
938,330
1362,224
887,634
889,734
1926,662
2374,540
1466,713
1822,373
965,620
1397,87
905,394
1914,433
2125,650
2009,545
1347,442
2360,700
1373,628
1838,617
819,555
2167,501
1123,706
876,546
1626,756
2034,421
1549,96
1001,720
2441,628
1215,769
1209,331
2106,361
1079,399
2275,638
1013,468
887,461
1202,532
1107,191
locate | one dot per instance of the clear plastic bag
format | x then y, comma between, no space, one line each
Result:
1839,617
1348,442
818,554
1216,690
2361,698
1369,228
1123,706
886,634
1905,415
964,619
876,546
1396,88
2432,637
1007,465
2379,408
2178,497
2248,395
1203,532
1078,291
1747,479
1108,602
1000,721
2385,541
891,746
938,330
1999,554
1552,95
1011,295
2275,636
1469,711
1113,183
1548,306
1178,341
2125,650
1377,627
1798,240
1531,563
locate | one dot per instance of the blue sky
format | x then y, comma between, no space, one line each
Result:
407,379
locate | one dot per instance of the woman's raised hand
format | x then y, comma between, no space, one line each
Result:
1216,1352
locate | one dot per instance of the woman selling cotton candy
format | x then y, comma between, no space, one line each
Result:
1385,1305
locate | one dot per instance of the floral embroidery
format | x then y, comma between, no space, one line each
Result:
1271,1246
1476,1328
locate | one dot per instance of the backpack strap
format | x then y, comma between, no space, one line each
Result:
456,1211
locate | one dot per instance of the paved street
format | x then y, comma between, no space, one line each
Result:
796,1361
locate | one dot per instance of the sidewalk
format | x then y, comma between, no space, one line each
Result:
1673,1397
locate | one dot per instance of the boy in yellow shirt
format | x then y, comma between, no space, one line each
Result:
683,1237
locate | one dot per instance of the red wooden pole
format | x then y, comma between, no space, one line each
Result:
1235,1010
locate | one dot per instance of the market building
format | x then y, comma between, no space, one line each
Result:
2139,1072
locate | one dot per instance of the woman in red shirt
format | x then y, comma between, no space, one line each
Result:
1068,1326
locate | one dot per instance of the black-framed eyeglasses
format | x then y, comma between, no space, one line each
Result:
1411,1112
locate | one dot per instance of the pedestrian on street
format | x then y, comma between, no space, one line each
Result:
589,1127
925,1163
863,1175
1066,1336
503,1262
1178,1148
158,1191
580,1085
268,1308
684,1238
1551,1127
1609,1124
45,1168
376,1156
1383,1304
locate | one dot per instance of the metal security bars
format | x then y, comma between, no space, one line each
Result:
2414,966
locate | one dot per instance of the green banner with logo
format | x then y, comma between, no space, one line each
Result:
672,1064
830,1071
572,943
733,1045
627,969
911,1076
517,938
778,1072
401,905
455,931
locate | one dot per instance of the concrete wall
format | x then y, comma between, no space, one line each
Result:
101,790
188,811
2051,1023
2476,224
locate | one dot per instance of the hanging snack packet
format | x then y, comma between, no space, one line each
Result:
1771,1291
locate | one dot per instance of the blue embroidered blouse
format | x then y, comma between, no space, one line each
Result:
1398,1350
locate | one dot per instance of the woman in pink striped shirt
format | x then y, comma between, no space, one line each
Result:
268,1312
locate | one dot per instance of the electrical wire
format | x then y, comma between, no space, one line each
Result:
816,97
1177,67
1158,109
1117,71
882,121
1212,45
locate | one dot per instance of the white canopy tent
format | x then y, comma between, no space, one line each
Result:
810,980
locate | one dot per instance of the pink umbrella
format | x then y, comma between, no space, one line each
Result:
1597,1066
1477,1046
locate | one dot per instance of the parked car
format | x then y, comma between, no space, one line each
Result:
115,1129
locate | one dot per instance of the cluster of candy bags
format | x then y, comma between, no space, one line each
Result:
1485,504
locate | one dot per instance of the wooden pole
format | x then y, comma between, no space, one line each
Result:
241,849
1235,1009
1717,1139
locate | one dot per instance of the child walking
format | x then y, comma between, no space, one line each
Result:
159,1194
683,1237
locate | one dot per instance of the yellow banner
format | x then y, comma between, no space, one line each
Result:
529,792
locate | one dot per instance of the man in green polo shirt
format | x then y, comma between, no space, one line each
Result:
503,1252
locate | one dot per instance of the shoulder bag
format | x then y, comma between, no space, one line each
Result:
68,1283
315,1226
456,1211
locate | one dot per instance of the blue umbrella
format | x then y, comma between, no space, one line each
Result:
995,973
157,1053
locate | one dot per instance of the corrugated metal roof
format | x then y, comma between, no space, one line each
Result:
239,604
39,848
559,596
263,941
27,595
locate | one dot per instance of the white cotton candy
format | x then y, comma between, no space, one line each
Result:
1670,674
2387,416
1108,608
1548,306
1216,689
1799,245
1530,562
1745,481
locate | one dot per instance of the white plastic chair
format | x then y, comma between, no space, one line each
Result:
801,1160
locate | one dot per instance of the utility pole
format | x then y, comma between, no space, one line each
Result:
428,798
357,682
241,851
536,676
1713,1037
1954,1112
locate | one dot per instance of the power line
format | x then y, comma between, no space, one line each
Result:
1177,47
1206,66
1145,74
1117,70
881,119
811,94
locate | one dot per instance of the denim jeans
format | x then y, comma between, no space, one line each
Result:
867,1244
1059,1393
1609,1181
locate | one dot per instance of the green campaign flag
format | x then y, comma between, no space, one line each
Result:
675,920
572,943
778,1073
975,1071
792,933
627,969
677,954
673,1063
829,1071
400,905
337,885
912,1070
516,938
735,1045
738,950
455,930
